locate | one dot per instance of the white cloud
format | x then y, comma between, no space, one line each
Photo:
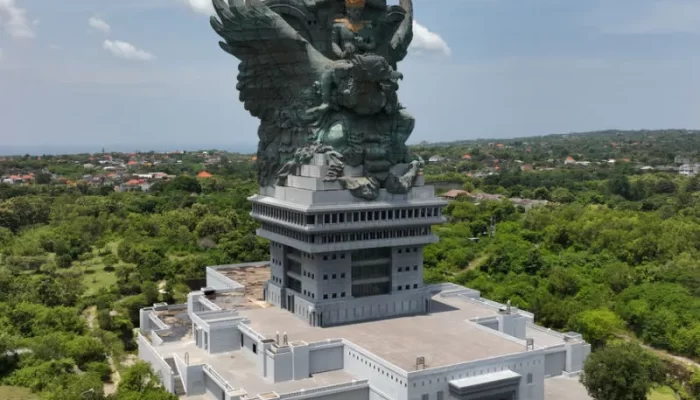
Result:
14,20
427,42
99,24
201,6
126,51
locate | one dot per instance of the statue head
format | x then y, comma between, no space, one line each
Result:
354,9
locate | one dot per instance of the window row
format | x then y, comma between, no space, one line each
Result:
389,375
347,236
292,234
377,215
301,219
309,293
406,269
334,295
406,287
309,275
334,276
292,217
372,235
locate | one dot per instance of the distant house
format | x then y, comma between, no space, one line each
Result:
204,175
569,160
134,184
528,203
436,159
467,157
455,193
526,167
682,160
689,169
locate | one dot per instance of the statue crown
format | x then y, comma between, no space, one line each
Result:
354,3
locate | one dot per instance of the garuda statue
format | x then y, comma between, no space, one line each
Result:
321,76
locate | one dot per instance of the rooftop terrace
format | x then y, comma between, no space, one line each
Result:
442,337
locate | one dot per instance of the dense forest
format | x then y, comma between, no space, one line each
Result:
614,255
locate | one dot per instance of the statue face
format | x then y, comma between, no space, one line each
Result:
355,13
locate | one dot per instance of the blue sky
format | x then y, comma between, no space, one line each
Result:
148,74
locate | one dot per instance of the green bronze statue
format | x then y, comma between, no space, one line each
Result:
321,76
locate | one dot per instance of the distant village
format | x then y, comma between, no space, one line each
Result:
490,164
122,172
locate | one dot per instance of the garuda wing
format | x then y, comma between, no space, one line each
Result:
278,66
401,40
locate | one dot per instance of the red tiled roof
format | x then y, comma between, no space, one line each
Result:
204,174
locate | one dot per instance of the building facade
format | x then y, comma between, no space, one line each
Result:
336,260
228,343
340,311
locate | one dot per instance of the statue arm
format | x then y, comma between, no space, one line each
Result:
336,42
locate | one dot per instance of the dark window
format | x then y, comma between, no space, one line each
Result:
342,275
335,295
335,276
400,287
400,269
325,258
255,348
415,286
342,256
399,251
529,378
310,219
342,294
327,218
415,249
325,277
335,218
325,297
415,268
408,287
341,218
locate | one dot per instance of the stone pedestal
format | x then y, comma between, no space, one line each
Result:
337,259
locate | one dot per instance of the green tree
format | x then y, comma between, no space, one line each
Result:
597,326
621,372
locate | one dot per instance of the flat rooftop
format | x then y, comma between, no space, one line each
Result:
242,372
253,277
443,337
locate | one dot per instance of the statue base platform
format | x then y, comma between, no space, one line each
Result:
338,259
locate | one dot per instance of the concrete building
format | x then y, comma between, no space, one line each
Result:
689,169
340,311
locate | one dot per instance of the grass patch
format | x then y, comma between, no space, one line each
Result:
662,393
16,393
95,278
